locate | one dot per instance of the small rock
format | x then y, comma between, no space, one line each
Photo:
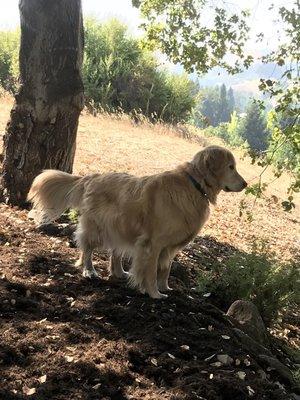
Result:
216,364
225,359
185,347
246,317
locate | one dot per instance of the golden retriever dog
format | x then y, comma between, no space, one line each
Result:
148,219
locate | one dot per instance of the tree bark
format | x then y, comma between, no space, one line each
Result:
43,124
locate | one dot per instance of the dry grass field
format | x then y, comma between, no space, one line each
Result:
107,143
63,337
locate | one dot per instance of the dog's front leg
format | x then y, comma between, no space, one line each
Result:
143,273
164,268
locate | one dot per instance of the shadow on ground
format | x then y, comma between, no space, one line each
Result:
63,337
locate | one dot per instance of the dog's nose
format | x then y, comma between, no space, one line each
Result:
245,184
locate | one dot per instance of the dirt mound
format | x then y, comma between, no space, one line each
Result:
63,337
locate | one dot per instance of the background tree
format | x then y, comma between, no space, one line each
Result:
231,101
42,130
181,30
224,111
285,93
254,128
214,106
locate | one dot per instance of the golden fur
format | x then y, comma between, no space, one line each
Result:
149,219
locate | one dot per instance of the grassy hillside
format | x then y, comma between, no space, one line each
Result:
107,143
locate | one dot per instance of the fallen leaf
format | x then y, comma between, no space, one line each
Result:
42,320
216,364
69,358
29,391
43,378
241,375
154,361
225,337
250,390
96,386
210,357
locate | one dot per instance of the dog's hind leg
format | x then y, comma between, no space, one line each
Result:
164,268
86,245
143,273
115,267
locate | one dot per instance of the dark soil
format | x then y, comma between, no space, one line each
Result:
65,337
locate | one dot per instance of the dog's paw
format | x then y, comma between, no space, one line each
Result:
120,276
90,273
164,287
158,295
142,290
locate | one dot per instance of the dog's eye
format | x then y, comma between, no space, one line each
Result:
231,166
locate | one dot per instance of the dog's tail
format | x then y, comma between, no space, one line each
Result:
52,192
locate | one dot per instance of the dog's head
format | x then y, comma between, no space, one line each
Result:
218,166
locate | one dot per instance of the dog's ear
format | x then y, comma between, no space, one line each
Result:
213,158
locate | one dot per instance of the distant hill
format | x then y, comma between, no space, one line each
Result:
246,81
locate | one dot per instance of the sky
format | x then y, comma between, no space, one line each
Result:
261,19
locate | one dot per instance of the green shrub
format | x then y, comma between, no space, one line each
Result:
256,276
253,127
233,131
119,74
72,215
286,152
9,59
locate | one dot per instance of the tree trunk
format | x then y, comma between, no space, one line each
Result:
42,129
